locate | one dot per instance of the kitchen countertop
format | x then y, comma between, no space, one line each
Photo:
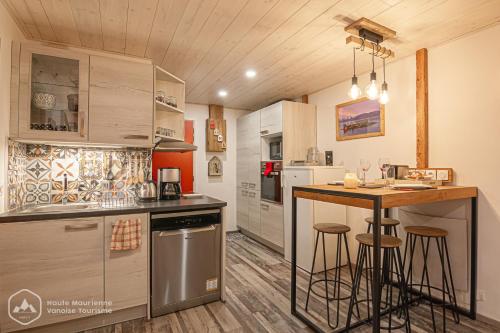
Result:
164,206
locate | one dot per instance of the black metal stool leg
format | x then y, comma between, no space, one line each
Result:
425,270
312,269
455,313
350,268
326,280
403,289
357,282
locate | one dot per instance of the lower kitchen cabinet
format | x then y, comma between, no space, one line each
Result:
242,208
271,216
254,225
126,272
69,260
59,260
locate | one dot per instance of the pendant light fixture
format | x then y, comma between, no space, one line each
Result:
384,95
371,89
354,92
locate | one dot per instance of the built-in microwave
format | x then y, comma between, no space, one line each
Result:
270,181
276,150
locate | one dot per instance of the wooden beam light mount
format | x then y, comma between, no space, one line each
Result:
368,35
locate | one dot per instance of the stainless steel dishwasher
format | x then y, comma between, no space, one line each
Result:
185,260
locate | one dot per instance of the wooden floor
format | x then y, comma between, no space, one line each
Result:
258,284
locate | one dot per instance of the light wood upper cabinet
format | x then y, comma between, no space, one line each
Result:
52,100
271,119
121,102
126,272
60,260
299,130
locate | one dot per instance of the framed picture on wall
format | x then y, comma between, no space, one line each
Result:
361,118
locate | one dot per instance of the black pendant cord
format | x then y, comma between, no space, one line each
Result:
354,63
384,68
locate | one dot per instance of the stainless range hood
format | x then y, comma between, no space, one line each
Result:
173,146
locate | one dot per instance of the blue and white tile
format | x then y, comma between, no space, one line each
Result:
38,169
37,193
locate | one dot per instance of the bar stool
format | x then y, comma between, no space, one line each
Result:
425,234
389,228
340,230
389,225
395,266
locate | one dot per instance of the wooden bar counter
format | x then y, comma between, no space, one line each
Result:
378,199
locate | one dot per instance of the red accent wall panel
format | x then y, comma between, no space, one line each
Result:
184,160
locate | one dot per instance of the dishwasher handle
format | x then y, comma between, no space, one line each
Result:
186,231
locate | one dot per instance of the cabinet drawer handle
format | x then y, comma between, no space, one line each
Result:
136,137
264,206
82,127
264,132
252,185
71,227
244,184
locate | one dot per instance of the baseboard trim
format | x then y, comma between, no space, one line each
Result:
261,240
490,321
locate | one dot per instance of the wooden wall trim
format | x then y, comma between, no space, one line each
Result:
422,97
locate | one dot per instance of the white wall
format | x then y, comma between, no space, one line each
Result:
464,108
8,32
223,188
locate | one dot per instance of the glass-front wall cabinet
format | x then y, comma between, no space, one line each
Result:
53,96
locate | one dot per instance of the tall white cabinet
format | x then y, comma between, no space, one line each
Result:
248,173
295,124
309,213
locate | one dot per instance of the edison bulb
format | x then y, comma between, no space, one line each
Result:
384,95
355,91
372,90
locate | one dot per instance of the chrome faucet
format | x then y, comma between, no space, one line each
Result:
64,199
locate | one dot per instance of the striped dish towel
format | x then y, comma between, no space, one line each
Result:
126,235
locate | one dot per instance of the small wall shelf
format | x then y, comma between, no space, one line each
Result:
168,138
165,107
167,116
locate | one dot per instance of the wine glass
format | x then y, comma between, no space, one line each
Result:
383,164
365,166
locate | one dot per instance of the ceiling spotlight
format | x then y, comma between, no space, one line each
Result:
250,73
222,93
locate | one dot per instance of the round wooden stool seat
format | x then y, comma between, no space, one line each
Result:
426,231
332,228
384,221
386,241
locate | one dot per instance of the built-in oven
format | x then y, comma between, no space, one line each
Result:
276,149
270,181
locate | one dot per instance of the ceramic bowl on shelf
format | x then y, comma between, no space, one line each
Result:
44,101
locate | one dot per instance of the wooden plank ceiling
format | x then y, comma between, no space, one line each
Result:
296,46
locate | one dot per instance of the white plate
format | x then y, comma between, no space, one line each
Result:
411,186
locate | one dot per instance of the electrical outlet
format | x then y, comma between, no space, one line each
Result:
481,296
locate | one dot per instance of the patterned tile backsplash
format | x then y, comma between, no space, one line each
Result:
36,172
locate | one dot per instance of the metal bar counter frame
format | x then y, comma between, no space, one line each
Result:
378,199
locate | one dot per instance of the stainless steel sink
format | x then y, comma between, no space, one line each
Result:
58,208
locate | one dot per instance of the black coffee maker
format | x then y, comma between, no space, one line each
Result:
169,183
